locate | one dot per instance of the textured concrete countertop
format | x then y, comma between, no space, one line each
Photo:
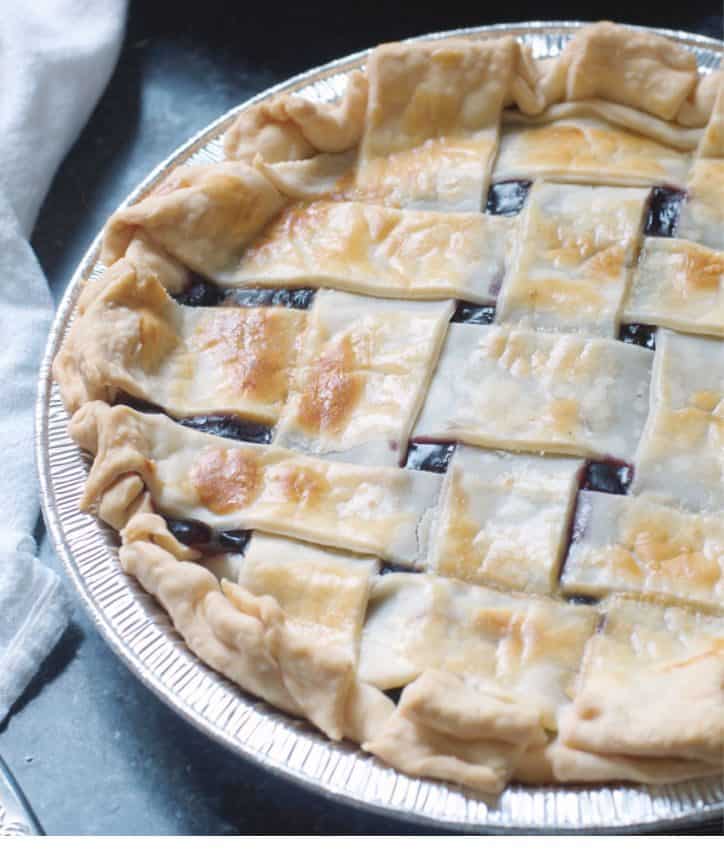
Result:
94,750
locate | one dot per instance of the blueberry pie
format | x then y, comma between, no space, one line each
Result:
410,409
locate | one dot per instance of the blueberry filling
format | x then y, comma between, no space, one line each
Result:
394,693
200,294
612,476
639,334
507,198
662,216
229,426
429,457
206,294
581,599
198,535
123,399
300,299
191,533
233,541
225,426
395,568
469,312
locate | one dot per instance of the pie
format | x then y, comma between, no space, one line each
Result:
410,409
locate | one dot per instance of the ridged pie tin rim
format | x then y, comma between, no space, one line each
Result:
139,631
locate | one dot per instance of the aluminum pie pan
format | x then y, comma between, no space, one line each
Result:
140,633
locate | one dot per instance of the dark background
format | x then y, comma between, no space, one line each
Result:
93,749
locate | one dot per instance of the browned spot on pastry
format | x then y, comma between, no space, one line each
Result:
494,620
558,142
571,248
332,391
459,556
565,145
589,712
304,486
255,347
620,560
660,552
606,263
226,480
294,222
703,270
707,401
508,629
562,416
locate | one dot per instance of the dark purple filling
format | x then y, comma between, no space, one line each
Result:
234,541
198,535
609,475
225,426
300,299
581,599
638,334
394,693
662,216
200,294
123,399
229,426
191,533
396,568
205,294
469,312
429,457
507,198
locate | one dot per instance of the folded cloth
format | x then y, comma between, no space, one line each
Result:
56,57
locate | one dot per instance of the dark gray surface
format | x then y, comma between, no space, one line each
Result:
95,751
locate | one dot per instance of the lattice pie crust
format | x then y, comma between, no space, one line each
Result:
435,616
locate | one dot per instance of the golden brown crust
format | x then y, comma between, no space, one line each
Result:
249,638
450,730
203,216
289,127
102,344
639,69
117,443
379,510
712,143
124,499
131,337
651,686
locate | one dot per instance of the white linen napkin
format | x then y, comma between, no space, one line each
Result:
56,57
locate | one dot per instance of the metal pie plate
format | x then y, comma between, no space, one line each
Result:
139,631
